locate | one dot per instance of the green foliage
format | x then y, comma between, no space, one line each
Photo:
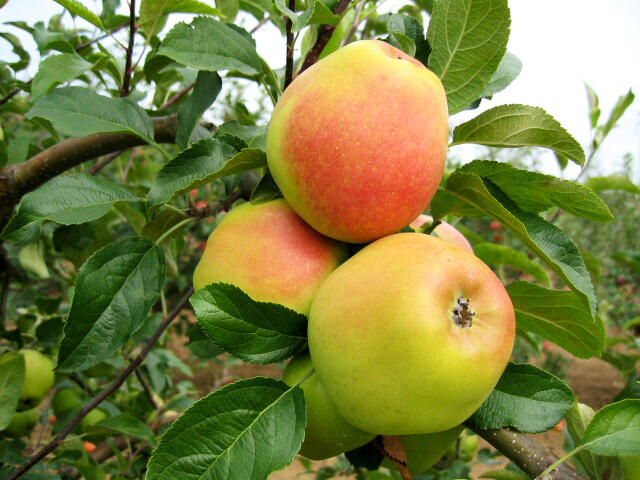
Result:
11,380
527,399
257,332
240,424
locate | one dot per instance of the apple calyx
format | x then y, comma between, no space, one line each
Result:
462,314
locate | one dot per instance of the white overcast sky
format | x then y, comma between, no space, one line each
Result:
561,43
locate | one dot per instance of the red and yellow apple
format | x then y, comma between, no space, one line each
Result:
444,231
327,434
357,143
410,335
270,253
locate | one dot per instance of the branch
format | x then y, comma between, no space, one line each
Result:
43,452
126,80
526,453
100,164
323,37
288,70
177,96
21,178
147,390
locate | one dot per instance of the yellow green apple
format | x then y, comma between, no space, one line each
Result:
38,377
444,231
326,434
423,451
66,399
410,335
22,423
270,253
357,142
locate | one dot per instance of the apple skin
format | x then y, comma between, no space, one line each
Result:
423,451
66,399
385,345
22,423
327,434
270,253
443,231
357,143
38,377
631,466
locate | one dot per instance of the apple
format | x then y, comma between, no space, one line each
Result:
66,399
468,446
357,142
22,423
631,466
444,231
38,377
495,225
423,451
93,417
410,335
326,434
270,253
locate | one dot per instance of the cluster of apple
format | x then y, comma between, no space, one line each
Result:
408,336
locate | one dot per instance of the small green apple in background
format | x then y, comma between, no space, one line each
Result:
22,423
443,231
66,399
361,161
38,377
468,446
270,253
327,434
93,417
410,335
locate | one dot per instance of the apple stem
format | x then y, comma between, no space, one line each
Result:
462,314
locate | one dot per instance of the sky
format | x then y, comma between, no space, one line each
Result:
562,44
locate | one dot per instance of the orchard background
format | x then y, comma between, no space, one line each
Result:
130,140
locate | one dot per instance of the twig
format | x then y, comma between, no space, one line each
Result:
9,96
354,25
177,97
102,37
288,24
43,452
103,162
323,37
214,208
526,453
126,80
147,390
127,167
260,24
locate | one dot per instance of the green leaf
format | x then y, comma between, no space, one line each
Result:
200,345
67,199
594,106
409,28
615,430
503,475
612,182
153,13
17,49
494,254
630,259
508,70
592,263
57,69
257,332
559,316
115,289
578,418
77,8
11,380
468,39
526,398
624,363
124,424
205,91
510,126
254,136
547,241
317,12
207,44
202,163
266,190
535,192
243,431
78,112
31,258
618,110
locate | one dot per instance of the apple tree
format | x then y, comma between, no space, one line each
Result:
139,136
